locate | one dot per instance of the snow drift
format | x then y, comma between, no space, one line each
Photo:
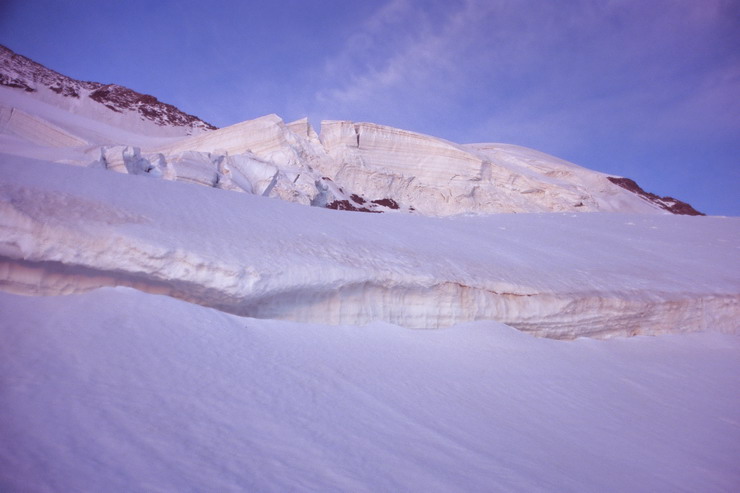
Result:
67,229
118,390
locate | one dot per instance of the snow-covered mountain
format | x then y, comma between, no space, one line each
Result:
267,346
348,166
111,103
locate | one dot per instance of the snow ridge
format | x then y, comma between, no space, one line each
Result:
60,234
17,71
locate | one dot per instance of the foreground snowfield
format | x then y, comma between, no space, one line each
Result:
114,389
118,390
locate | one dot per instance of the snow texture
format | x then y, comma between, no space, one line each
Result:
268,346
118,390
67,229
348,166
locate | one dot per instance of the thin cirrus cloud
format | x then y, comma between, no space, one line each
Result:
404,46
611,63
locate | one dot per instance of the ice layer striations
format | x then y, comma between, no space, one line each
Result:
66,229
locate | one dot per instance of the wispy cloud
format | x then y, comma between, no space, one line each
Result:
405,47
535,67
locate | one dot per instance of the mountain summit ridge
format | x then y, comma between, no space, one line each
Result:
20,72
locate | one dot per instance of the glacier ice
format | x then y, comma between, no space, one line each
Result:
69,229
366,163
630,269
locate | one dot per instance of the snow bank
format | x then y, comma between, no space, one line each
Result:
118,390
65,230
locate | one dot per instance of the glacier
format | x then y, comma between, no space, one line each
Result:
185,308
66,229
347,165
415,269
364,165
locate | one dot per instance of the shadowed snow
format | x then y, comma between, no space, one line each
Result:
118,390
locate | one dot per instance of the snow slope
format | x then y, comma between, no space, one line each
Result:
350,166
118,390
66,229
265,156
108,103
268,346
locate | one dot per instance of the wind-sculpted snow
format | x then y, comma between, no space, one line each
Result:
349,166
68,229
117,390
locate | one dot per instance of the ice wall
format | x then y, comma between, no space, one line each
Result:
352,166
440,178
66,229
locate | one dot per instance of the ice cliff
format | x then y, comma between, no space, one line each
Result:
68,229
347,166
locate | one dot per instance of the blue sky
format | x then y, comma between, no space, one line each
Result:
648,89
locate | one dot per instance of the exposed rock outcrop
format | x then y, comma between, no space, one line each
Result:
17,71
670,204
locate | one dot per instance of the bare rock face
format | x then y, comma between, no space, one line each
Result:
17,71
118,98
670,204
20,72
